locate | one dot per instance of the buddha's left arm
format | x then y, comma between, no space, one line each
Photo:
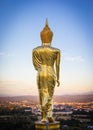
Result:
36,60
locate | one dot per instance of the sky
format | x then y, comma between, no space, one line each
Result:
21,22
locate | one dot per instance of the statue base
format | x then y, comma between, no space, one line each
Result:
47,126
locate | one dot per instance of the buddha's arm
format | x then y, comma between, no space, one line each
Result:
35,59
58,68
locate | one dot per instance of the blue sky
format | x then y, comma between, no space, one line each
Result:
20,26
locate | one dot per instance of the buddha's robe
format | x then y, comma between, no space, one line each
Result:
44,58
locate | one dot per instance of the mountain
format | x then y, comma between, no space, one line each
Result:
59,99
74,98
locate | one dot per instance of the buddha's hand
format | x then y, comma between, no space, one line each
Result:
58,83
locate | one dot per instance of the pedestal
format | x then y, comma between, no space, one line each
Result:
47,126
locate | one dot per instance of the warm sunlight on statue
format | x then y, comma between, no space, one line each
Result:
46,60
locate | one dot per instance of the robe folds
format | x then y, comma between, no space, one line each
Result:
44,58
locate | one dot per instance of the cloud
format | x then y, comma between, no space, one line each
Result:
74,58
6,54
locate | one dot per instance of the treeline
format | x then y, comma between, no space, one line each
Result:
17,122
15,111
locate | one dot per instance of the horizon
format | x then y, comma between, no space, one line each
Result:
21,24
82,94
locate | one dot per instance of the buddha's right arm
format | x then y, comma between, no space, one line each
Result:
58,68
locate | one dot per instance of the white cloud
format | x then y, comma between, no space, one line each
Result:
74,58
6,54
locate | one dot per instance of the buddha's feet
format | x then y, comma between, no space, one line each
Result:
50,119
44,120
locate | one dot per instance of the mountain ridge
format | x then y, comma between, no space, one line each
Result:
57,98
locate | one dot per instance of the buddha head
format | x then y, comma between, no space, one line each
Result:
46,34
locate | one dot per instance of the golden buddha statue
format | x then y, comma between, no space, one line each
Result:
46,60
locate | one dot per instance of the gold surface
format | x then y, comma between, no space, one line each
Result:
46,34
50,126
44,59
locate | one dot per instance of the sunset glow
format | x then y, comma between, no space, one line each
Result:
20,27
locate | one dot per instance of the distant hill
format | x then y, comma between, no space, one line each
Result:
88,93
59,99
30,99
74,98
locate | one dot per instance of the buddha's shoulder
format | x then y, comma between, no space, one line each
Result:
55,49
41,48
37,48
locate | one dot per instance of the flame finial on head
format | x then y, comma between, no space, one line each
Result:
46,24
46,34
